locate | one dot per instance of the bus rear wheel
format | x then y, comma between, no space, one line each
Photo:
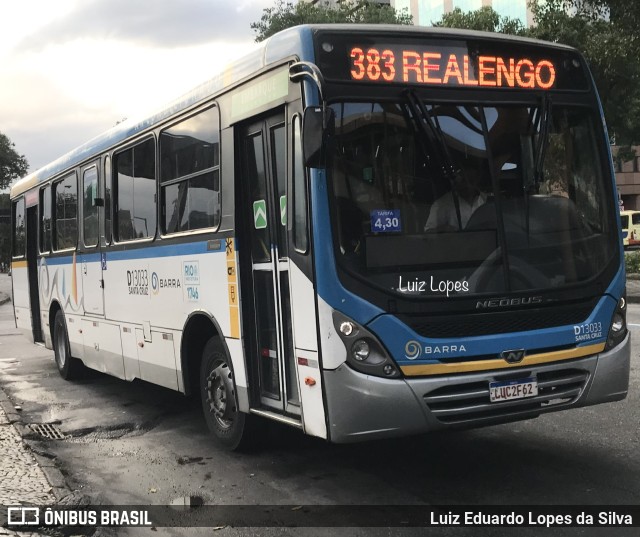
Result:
231,428
70,368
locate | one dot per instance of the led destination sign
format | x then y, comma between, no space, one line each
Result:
432,67
453,62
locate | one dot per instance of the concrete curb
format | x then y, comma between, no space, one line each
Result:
54,476
4,299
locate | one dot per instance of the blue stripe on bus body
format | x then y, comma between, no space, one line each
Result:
395,335
328,284
170,250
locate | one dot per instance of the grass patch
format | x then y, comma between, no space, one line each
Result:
632,262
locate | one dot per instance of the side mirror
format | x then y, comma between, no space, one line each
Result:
317,122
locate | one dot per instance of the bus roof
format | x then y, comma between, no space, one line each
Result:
293,41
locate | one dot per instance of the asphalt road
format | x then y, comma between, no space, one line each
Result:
133,443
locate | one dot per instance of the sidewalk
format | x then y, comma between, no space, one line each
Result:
633,288
22,480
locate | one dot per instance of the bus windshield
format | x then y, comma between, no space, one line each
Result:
458,200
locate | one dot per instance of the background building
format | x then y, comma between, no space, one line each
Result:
426,12
628,181
334,3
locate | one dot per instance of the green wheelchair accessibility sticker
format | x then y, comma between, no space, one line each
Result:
260,214
283,210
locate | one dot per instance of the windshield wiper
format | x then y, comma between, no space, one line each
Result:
433,144
544,123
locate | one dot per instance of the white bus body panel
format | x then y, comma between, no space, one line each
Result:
334,352
21,297
303,318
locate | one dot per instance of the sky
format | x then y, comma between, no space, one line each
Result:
72,69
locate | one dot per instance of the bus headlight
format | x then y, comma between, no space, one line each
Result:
618,328
365,353
360,350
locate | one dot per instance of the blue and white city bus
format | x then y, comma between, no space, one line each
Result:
359,231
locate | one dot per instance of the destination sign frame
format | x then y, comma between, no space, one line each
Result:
449,63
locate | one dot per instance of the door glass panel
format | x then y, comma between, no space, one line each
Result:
90,209
267,335
280,184
260,235
19,237
293,395
107,199
45,219
299,191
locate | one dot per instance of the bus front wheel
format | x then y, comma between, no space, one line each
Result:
231,428
69,368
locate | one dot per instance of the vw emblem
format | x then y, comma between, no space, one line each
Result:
513,356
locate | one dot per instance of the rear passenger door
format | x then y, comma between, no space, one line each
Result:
91,261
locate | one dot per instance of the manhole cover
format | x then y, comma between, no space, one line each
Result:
48,431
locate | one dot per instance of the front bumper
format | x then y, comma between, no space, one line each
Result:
362,407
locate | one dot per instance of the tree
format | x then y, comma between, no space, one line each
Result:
12,165
605,31
287,14
5,230
484,19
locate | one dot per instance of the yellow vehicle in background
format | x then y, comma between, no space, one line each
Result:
630,223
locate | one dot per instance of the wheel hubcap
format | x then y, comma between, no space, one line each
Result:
220,394
61,355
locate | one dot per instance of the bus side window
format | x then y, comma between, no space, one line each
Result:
19,241
190,173
135,187
65,234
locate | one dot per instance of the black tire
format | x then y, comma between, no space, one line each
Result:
69,368
232,429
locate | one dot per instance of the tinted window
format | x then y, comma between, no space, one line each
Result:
299,192
487,199
107,199
278,159
65,194
18,228
256,172
45,219
190,172
90,210
136,192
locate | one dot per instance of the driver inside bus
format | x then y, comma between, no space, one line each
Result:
444,216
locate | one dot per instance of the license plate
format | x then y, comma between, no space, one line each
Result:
513,389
